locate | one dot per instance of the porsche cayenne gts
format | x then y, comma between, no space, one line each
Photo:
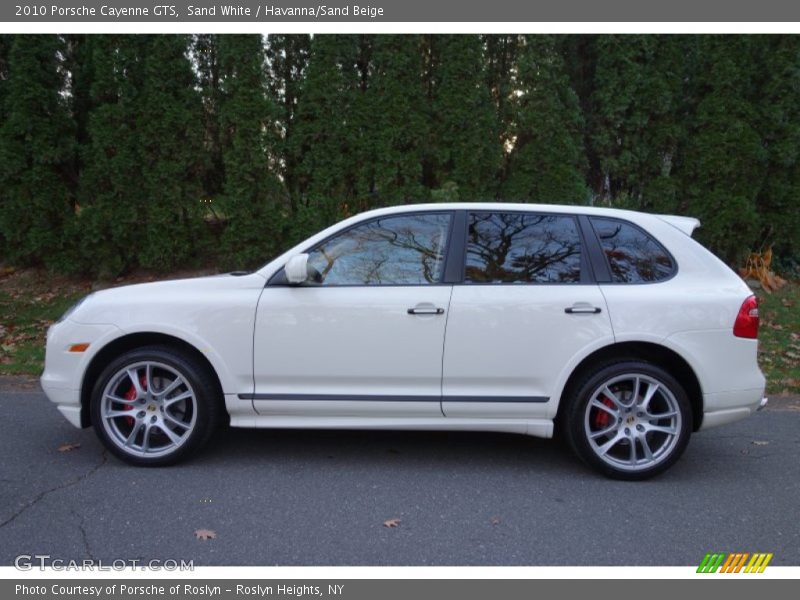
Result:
613,328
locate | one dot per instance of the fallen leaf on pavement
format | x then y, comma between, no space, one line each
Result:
391,522
205,534
68,447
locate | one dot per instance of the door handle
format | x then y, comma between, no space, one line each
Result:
582,309
432,310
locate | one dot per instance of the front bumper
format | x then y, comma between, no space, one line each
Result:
64,370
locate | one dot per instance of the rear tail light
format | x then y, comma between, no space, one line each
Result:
746,325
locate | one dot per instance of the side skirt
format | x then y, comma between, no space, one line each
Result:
542,428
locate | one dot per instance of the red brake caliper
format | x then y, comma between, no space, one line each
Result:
131,395
601,417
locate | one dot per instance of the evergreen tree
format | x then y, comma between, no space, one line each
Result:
111,222
78,73
205,53
5,49
724,162
36,147
466,131
325,140
580,55
636,123
779,124
397,127
287,60
546,163
252,196
501,56
171,145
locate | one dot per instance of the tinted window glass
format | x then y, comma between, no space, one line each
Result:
397,250
522,248
633,256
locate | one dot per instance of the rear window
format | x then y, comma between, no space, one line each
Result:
633,255
510,247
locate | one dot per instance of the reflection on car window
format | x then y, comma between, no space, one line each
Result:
396,250
633,256
522,248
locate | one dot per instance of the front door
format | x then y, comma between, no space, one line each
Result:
365,337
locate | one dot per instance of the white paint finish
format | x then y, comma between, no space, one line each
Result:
747,398
215,314
534,427
71,413
721,361
657,310
344,408
686,224
724,417
63,370
238,408
514,340
349,341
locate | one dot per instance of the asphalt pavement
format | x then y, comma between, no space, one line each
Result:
322,498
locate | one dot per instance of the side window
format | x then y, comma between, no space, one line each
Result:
395,250
633,256
522,248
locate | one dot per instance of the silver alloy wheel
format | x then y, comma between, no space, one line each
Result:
632,422
148,409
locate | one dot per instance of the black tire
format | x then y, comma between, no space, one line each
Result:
201,412
618,446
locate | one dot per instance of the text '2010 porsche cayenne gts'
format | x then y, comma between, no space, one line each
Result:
614,328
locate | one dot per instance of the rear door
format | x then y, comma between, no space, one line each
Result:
526,309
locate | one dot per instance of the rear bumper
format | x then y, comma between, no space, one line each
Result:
726,407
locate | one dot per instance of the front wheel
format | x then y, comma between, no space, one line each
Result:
154,406
630,420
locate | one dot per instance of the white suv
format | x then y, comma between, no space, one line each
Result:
614,326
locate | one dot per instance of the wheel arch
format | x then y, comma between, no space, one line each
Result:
657,354
131,341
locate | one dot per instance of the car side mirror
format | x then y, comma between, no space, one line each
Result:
297,269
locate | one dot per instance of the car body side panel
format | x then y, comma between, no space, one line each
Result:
215,315
63,370
349,350
513,341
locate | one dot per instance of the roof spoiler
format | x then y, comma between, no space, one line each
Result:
686,224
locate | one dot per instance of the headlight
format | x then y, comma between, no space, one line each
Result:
72,308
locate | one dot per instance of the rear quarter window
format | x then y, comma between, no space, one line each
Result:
633,255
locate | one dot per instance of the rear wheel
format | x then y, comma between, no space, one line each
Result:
629,420
154,406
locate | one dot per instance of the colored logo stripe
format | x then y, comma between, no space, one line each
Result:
711,563
758,563
734,562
